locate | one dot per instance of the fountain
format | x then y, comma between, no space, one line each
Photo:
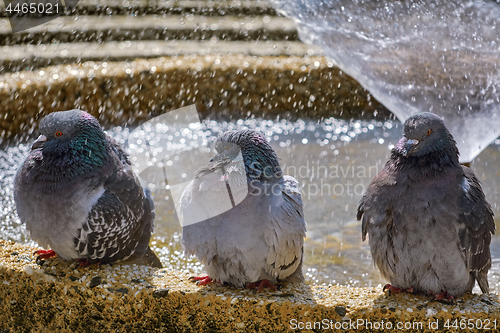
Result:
414,56
129,62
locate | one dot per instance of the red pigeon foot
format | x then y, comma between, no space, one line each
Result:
443,297
395,290
201,280
44,254
261,285
85,262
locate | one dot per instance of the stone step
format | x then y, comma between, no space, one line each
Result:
29,57
167,7
223,87
151,27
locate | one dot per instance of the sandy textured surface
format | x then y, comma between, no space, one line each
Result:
60,296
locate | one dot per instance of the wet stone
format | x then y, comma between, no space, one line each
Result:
317,295
24,258
138,280
96,280
486,301
122,290
421,306
161,293
340,310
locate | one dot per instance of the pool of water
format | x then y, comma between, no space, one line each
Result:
334,160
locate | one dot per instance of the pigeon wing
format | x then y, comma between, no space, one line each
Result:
120,224
287,229
376,205
476,227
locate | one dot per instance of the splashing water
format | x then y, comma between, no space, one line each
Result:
438,56
333,160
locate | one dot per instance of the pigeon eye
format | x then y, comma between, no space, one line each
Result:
429,132
227,148
58,133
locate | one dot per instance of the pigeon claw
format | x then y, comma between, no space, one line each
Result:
444,297
395,290
84,262
261,285
201,280
44,254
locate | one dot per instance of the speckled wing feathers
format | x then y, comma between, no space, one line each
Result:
106,235
477,218
120,224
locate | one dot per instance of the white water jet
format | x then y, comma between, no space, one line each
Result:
439,56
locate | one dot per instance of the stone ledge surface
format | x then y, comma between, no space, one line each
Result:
60,296
100,29
221,86
28,56
163,7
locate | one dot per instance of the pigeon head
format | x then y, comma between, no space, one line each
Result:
260,159
425,134
71,139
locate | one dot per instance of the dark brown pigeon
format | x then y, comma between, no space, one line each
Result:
428,221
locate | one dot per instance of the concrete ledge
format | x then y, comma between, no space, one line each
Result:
221,86
100,29
60,296
30,57
164,7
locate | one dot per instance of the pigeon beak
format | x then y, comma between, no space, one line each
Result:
410,146
39,142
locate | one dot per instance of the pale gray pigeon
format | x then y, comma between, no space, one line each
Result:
78,196
242,218
428,221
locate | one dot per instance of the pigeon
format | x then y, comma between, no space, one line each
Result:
242,218
78,196
427,218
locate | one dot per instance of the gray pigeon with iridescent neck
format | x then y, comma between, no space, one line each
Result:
242,218
78,196
427,218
